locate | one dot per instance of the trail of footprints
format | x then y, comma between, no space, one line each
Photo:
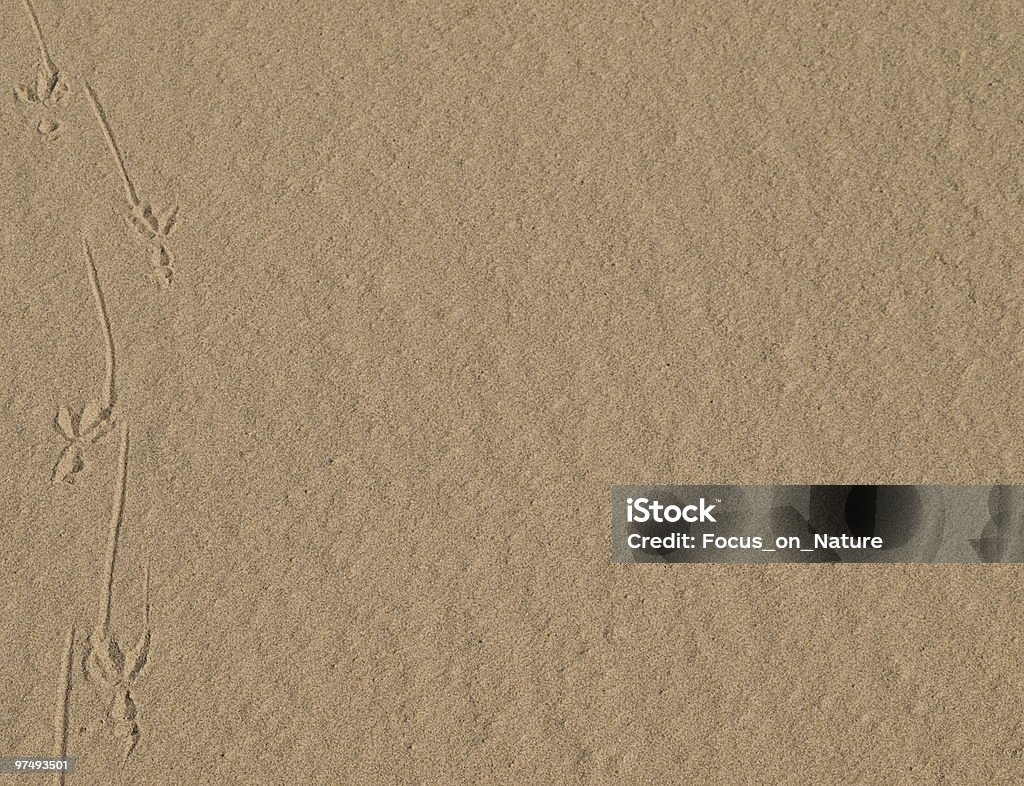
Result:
110,666
113,666
48,93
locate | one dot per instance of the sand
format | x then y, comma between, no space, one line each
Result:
329,501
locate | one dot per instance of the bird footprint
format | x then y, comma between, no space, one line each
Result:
49,88
156,227
113,672
79,431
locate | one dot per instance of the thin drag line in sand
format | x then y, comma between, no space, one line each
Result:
104,318
116,519
61,717
44,52
115,151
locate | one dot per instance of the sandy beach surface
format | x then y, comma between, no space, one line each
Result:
328,328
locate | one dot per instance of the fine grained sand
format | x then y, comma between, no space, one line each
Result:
441,275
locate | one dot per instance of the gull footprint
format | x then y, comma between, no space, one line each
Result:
48,91
152,225
79,431
156,227
114,671
49,88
